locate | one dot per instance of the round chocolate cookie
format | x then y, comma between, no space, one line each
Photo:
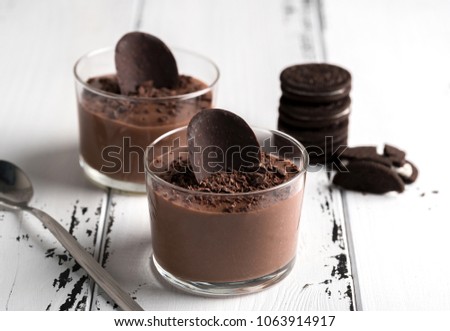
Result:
397,156
312,124
336,130
365,153
315,82
320,151
330,142
326,142
297,112
408,172
370,177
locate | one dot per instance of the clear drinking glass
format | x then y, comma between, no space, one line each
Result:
224,244
115,129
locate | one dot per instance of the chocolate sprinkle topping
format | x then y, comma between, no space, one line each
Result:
185,85
272,172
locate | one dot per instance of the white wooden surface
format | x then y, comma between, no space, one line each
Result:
45,145
39,43
398,56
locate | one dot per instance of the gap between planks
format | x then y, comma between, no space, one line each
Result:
136,21
138,9
319,25
99,248
315,48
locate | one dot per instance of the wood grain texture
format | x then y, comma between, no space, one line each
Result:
39,132
398,56
252,42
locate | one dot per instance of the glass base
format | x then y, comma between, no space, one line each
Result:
104,181
224,288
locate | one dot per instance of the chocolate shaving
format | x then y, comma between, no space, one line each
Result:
271,172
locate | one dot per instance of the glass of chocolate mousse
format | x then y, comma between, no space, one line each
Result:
116,127
233,232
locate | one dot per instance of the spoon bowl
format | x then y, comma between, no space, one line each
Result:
15,186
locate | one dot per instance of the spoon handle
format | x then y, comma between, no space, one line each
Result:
93,268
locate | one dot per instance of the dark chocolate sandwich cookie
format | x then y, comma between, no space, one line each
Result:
370,177
331,142
323,146
315,82
336,130
327,147
312,110
397,156
366,153
313,115
315,106
371,172
318,124
408,172
328,154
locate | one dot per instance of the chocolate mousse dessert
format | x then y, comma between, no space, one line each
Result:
221,222
121,113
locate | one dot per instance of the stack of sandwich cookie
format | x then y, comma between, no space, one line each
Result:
315,107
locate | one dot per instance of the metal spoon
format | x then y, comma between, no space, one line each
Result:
16,191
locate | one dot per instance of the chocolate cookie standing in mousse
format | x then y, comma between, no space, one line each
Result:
141,57
227,137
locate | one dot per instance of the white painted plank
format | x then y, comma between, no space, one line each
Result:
398,54
39,131
252,42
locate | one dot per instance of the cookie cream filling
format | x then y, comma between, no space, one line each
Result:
406,170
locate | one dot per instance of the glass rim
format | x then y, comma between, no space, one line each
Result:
110,95
304,158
